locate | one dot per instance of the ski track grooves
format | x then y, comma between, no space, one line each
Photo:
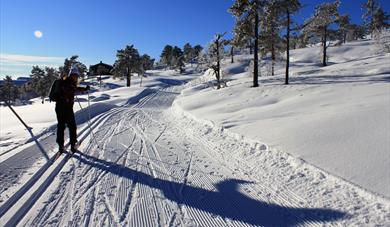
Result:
31,184
177,185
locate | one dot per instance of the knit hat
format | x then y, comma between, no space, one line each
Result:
74,70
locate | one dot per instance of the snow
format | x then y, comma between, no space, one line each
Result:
177,152
334,117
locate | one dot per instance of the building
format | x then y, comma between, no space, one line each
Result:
100,69
19,82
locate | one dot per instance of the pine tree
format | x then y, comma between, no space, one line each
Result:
247,13
126,63
215,52
355,32
8,90
166,56
270,41
197,50
51,74
147,62
380,20
178,59
42,80
189,53
370,7
289,7
64,70
325,15
37,75
343,21
242,34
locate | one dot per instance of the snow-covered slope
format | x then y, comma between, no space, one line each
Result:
334,117
173,154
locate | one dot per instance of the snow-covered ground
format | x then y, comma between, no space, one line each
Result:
173,153
334,117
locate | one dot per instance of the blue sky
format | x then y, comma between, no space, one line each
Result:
95,30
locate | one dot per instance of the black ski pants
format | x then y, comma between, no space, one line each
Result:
65,117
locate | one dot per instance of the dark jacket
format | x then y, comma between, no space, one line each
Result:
68,90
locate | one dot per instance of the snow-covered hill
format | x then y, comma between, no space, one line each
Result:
177,152
334,117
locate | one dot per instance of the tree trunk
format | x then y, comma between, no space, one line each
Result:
273,58
344,36
256,54
218,65
287,46
128,78
232,54
324,48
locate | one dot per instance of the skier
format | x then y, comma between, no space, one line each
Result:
67,88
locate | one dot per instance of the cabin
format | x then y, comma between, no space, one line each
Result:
100,69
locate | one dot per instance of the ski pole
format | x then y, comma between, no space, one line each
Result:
88,121
17,115
29,129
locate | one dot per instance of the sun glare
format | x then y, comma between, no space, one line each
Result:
38,34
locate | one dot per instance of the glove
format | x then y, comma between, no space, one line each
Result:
87,88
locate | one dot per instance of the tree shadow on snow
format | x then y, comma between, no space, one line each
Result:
227,202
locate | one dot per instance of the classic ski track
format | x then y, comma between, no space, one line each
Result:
66,158
210,220
30,183
205,143
99,178
276,195
164,174
143,204
214,221
24,209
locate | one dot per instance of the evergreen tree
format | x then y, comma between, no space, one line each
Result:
42,80
355,32
127,63
178,59
247,13
37,74
370,7
380,20
215,52
242,34
189,53
9,92
289,7
197,51
64,70
343,21
146,62
44,84
166,56
270,41
325,15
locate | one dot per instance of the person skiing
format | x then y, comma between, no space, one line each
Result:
67,88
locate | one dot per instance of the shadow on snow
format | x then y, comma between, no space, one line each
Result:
240,207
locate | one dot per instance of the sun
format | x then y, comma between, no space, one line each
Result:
38,34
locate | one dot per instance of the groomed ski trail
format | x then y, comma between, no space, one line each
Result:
157,166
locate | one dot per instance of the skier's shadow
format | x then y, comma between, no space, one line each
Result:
227,202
